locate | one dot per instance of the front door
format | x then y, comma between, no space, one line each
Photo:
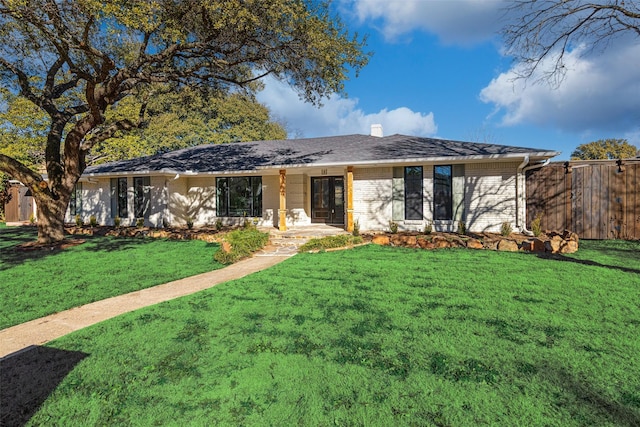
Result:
327,204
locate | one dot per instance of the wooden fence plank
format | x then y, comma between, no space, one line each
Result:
578,202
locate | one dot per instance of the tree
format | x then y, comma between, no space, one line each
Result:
604,149
74,59
186,117
550,29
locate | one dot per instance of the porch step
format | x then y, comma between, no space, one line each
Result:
297,236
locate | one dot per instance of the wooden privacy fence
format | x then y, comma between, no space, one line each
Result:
595,199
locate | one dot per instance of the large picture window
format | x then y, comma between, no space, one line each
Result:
119,204
442,191
239,196
141,189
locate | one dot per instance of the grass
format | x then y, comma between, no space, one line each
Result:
37,283
330,242
375,336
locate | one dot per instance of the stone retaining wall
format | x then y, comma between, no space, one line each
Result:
552,242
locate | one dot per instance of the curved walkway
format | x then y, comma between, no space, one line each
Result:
45,329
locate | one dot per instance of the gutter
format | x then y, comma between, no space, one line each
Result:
522,169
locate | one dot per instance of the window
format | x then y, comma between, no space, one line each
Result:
75,204
448,191
119,203
239,196
413,193
141,186
407,197
442,195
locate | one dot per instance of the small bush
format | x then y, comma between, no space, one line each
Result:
165,223
117,221
462,227
79,221
93,221
428,228
328,242
536,225
393,227
243,242
506,229
32,219
356,228
189,223
139,222
218,224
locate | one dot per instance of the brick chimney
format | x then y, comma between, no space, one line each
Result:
376,130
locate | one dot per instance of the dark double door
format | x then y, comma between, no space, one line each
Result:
327,205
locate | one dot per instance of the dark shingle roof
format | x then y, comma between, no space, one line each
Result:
336,150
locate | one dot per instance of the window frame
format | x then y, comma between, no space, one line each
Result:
141,196
229,200
75,202
119,197
443,194
413,193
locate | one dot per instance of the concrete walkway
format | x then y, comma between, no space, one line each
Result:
45,329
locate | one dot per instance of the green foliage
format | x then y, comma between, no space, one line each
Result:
605,149
356,228
243,243
393,227
5,196
462,227
219,224
79,221
506,229
93,221
536,225
428,227
43,282
375,336
32,219
189,223
117,221
328,242
183,117
139,222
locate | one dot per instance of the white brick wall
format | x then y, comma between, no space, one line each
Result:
372,197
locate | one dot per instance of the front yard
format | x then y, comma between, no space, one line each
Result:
41,282
373,336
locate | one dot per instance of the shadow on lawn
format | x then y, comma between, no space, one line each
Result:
11,255
28,377
564,258
589,402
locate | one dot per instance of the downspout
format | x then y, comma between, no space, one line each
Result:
523,169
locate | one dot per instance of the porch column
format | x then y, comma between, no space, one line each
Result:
282,212
350,198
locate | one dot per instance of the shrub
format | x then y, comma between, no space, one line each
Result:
462,227
428,228
218,224
79,221
165,223
243,242
93,221
116,221
356,228
139,222
189,222
328,242
393,227
32,219
536,225
506,229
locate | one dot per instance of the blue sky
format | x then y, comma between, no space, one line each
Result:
437,71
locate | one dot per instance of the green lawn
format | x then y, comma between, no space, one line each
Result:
36,283
375,336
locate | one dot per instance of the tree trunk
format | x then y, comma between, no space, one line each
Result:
51,220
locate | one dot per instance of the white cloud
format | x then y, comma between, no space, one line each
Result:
339,116
461,21
598,92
